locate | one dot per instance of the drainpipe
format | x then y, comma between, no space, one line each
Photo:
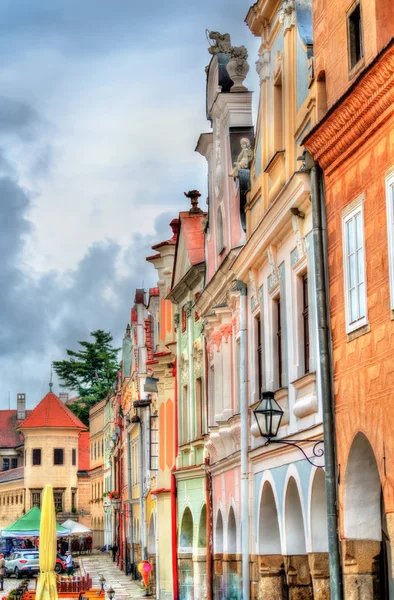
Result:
191,393
323,326
242,288
208,483
130,499
141,454
174,544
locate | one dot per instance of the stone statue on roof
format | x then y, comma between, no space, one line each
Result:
222,42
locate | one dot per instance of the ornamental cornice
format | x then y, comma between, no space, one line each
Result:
369,98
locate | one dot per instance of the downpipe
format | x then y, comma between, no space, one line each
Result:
242,288
323,324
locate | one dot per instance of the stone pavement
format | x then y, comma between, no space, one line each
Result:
101,564
96,565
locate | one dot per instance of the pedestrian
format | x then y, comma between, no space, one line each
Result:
2,572
114,551
69,563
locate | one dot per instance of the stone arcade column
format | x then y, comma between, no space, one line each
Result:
320,573
298,577
360,562
271,581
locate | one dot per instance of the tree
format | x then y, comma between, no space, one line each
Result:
90,371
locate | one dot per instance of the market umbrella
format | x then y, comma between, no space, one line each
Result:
29,526
46,585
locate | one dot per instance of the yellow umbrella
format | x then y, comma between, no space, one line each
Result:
46,585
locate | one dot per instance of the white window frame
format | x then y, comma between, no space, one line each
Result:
390,232
347,215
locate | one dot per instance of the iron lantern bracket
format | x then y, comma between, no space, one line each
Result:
318,449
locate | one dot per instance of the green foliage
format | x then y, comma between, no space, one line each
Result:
90,371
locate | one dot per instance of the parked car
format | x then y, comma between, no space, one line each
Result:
22,562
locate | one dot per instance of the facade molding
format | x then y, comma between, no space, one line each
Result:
359,111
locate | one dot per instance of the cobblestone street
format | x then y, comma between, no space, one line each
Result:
96,565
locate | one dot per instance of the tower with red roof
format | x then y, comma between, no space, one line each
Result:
52,453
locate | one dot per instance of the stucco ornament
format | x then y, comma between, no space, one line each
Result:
244,159
300,240
184,368
222,42
238,67
273,266
263,65
287,15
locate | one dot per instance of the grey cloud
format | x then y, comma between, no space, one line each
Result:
19,119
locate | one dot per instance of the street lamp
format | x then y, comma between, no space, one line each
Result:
111,593
268,415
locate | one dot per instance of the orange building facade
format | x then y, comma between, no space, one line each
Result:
354,146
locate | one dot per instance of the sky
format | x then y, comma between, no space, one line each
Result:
101,107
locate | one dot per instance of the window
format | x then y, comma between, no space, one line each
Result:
199,408
14,463
102,447
154,444
36,499
279,342
6,464
36,456
278,114
58,456
74,457
354,269
305,321
183,319
211,396
185,415
58,500
21,499
390,232
95,450
73,500
259,357
220,234
355,36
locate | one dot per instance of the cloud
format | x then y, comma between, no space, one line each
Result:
101,109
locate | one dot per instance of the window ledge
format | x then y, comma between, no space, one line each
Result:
362,330
357,68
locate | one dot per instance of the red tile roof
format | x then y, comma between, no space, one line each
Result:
12,474
9,436
84,451
174,226
51,412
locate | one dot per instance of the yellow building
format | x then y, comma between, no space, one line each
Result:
96,422
49,443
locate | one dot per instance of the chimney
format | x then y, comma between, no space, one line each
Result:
21,407
63,396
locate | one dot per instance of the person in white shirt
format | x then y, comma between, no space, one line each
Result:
69,563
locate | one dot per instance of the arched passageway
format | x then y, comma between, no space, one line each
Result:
319,535
294,521
268,533
364,525
202,528
218,549
231,533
